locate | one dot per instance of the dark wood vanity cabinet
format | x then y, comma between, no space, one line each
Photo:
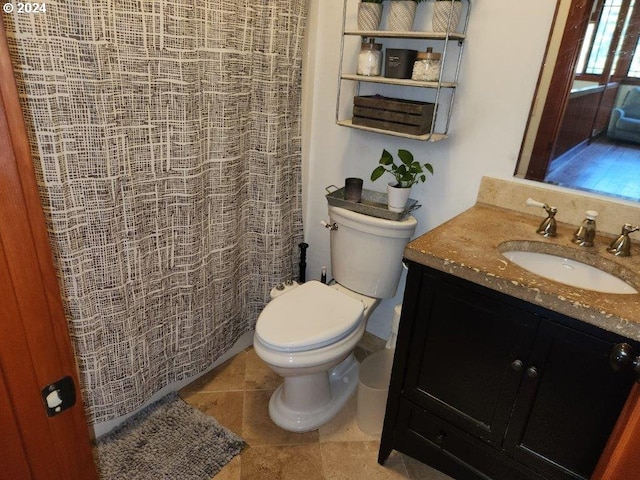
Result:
486,386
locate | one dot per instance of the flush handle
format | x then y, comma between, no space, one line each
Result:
330,226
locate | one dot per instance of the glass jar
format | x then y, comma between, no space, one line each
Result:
427,66
370,59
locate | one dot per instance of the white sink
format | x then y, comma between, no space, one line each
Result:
569,272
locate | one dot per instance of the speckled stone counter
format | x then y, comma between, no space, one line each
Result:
468,246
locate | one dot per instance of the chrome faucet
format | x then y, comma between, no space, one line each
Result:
548,226
586,232
621,246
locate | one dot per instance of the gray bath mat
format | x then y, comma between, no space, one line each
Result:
167,440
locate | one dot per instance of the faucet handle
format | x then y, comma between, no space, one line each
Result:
548,226
530,202
621,246
551,211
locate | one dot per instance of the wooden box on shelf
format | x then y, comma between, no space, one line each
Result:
393,114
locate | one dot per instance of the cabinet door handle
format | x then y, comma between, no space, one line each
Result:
517,365
623,357
532,372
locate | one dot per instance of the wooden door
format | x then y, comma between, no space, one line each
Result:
35,350
559,89
620,459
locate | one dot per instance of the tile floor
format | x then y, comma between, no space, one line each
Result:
237,394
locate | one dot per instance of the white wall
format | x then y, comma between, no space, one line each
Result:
505,45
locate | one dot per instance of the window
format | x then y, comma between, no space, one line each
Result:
634,68
611,45
605,33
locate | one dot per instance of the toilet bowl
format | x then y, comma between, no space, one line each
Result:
308,334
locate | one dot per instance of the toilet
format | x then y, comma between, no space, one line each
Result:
307,335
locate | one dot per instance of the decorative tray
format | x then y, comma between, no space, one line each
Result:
372,203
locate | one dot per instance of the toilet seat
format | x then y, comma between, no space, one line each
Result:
308,317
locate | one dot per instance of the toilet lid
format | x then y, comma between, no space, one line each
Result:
310,316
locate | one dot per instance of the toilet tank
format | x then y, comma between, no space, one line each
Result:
366,251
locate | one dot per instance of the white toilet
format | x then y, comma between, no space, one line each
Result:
308,334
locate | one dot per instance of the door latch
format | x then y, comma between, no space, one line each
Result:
59,396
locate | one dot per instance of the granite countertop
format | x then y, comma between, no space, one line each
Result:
468,246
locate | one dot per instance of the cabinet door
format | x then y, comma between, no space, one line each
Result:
466,356
568,405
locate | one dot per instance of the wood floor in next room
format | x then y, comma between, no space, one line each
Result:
237,394
605,166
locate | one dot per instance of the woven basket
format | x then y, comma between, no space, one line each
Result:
369,15
441,13
401,15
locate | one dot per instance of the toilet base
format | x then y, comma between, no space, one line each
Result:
294,405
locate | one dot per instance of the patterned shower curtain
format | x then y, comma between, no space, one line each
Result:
167,141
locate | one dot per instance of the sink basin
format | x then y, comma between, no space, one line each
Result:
569,272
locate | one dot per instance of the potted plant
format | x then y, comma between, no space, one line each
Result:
401,15
369,15
406,173
446,15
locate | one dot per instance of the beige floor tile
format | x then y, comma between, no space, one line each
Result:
292,462
360,353
258,429
419,471
225,377
231,471
344,426
371,343
225,407
258,375
337,451
358,461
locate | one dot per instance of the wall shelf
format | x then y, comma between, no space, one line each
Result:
415,35
441,92
397,81
431,137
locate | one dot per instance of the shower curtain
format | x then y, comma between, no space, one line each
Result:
167,141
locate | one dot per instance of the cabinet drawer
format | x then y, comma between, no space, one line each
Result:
432,440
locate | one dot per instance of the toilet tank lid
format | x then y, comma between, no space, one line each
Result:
382,227
311,315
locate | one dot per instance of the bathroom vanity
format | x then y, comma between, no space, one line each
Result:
499,373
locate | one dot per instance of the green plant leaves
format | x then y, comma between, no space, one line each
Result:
407,173
406,157
377,173
386,158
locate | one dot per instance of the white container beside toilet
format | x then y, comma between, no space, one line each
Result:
308,334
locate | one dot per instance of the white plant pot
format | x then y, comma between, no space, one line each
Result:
397,197
369,15
401,15
446,16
